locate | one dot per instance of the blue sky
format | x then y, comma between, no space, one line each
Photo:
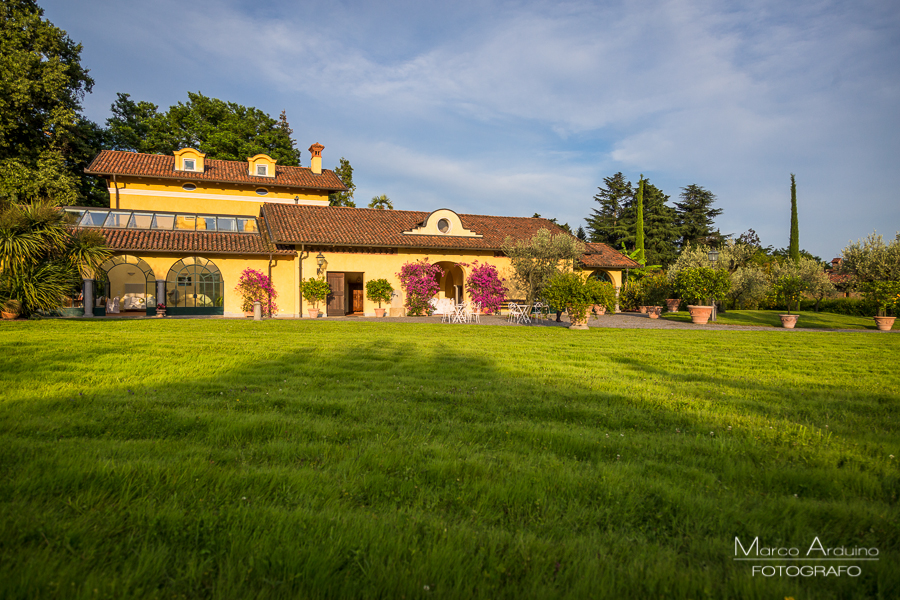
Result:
512,108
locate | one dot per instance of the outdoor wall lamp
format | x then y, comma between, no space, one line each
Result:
713,257
320,260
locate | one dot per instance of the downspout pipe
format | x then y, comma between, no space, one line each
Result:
116,185
269,294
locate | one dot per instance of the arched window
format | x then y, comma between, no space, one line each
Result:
602,276
131,280
194,282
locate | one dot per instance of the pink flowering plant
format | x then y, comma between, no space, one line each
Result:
486,286
420,283
253,286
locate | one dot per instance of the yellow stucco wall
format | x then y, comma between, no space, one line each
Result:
283,276
215,198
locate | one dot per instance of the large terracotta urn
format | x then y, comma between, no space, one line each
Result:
884,323
788,321
654,311
379,312
672,304
700,314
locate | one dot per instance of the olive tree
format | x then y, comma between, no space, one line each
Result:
534,261
873,260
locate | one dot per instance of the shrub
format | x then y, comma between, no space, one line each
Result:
655,289
631,295
486,286
699,285
315,290
379,290
256,286
419,281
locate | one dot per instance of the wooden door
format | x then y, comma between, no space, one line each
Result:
336,297
357,300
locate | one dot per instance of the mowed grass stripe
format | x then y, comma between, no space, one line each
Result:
288,459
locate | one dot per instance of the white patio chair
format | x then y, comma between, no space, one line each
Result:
475,315
513,309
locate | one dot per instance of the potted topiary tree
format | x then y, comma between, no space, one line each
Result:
789,288
885,295
11,309
379,290
605,298
577,292
315,290
656,289
701,284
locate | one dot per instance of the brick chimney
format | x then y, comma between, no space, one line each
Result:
315,165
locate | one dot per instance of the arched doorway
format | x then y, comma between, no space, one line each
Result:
194,286
128,287
452,282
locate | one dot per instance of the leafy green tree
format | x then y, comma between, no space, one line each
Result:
222,130
606,223
42,259
660,233
42,84
694,216
794,246
345,172
381,202
536,260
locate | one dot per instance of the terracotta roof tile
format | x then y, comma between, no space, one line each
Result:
600,255
143,240
371,227
117,162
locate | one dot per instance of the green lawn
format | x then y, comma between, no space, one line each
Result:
232,459
770,318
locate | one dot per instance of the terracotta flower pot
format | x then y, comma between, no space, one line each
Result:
654,311
672,304
883,323
642,310
700,314
788,321
313,313
9,316
379,312
599,310
579,324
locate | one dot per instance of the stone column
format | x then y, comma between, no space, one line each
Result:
161,292
88,297
617,298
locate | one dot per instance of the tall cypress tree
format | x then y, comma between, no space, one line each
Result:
794,247
639,223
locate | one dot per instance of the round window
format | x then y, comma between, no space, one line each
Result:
189,187
444,225
262,192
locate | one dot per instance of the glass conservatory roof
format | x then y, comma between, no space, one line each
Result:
160,221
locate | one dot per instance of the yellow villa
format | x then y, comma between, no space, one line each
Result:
185,227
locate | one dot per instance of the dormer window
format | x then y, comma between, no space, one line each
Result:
190,164
262,170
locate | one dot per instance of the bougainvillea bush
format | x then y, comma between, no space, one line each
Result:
253,286
486,286
420,283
